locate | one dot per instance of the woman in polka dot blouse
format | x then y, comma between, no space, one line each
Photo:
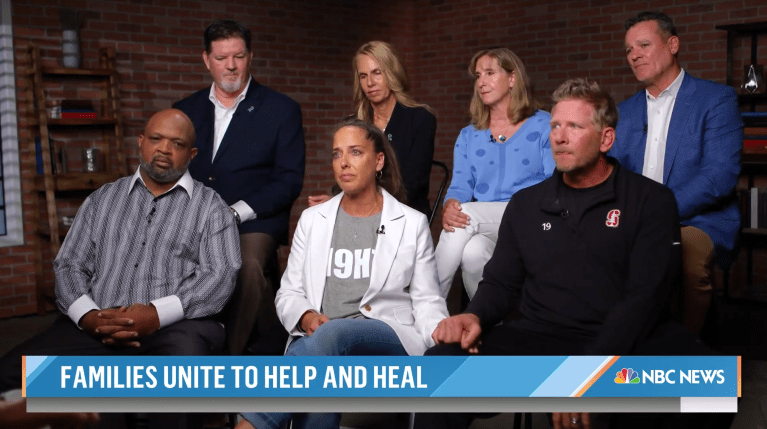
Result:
506,148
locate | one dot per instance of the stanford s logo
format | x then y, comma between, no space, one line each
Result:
613,217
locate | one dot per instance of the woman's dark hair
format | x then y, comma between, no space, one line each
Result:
390,178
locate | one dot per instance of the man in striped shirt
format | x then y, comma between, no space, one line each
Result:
149,260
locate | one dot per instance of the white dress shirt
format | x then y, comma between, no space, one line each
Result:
121,267
223,116
659,112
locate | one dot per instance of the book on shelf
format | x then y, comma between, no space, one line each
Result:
755,143
39,156
77,109
77,115
754,131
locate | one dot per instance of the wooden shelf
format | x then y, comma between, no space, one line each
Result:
45,231
753,163
77,122
66,71
76,181
50,187
747,28
752,121
755,231
756,96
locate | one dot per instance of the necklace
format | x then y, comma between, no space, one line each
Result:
355,223
363,210
502,137
384,121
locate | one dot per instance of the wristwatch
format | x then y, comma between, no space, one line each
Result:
236,215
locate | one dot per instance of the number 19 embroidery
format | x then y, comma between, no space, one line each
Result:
546,226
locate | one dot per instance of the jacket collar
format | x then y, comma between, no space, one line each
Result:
241,117
552,202
393,221
683,108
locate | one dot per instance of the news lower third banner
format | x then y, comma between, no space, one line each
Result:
382,383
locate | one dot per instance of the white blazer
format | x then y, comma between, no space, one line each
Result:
403,292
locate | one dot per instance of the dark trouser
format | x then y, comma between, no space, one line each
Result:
508,339
64,338
252,303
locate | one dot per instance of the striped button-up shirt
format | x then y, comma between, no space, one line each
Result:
180,251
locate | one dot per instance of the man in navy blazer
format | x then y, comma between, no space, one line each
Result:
686,133
250,146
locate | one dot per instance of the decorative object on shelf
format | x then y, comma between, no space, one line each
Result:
92,160
753,79
54,112
70,39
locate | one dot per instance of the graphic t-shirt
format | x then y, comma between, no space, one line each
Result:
350,261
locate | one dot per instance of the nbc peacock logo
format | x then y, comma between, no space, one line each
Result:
627,376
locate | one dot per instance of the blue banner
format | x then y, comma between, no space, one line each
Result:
377,376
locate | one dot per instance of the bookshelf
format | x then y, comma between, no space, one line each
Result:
53,183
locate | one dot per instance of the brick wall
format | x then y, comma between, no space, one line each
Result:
303,48
557,40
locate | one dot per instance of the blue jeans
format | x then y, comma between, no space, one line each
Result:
338,337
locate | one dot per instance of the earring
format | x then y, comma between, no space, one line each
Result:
379,174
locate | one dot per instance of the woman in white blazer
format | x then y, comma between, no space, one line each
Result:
354,284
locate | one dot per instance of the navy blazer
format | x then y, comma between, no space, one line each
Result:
261,157
702,162
411,133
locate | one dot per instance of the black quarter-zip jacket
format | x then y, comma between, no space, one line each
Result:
603,277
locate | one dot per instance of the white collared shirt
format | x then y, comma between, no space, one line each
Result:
659,112
169,308
185,182
223,115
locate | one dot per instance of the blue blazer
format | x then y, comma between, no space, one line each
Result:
702,162
261,157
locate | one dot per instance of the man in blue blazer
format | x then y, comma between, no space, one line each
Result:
686,133
250,146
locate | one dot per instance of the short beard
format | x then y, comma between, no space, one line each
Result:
230,87
167,176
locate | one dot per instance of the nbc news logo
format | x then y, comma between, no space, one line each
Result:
627,376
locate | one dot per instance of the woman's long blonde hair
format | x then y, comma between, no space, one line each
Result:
522,104
394,72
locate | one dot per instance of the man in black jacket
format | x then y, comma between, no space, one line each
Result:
250,144
590,256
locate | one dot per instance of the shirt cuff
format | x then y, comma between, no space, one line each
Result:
169,310
243,209
80,307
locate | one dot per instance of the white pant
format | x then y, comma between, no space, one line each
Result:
470,247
